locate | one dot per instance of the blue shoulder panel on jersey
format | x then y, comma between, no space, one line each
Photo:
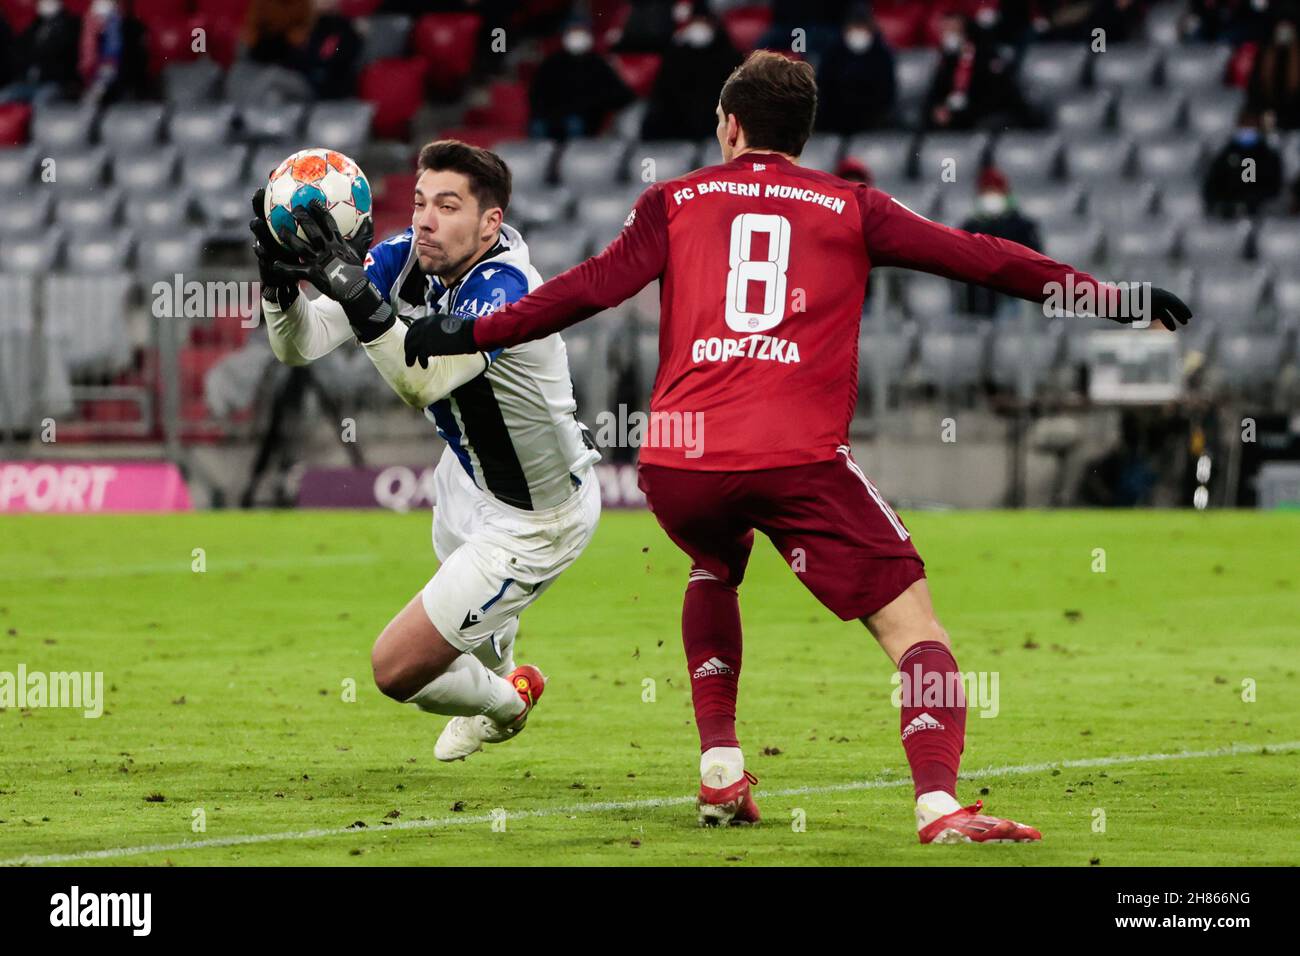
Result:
489,287
385,261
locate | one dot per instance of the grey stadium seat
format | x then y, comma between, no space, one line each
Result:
1198,66
1052,70
1278,242
79,170
186,84
953,360
921,198
93,211
32,253
28,211
913,70
1159,271
131,125
887,155
822,151
17,164
1126,64
554,250
1214,112
1233,293
529,160
210,125
145,171
63,127
1027,156
956,203
1211,241
107,253
1103,157
1048,201
1286,295
1150,112
343,125
588,346
592,162
963,153
26,395
1078,244
159,211
86,315
604,212
1121,201
1083,112
1249,361
384,36
272,121
160,255
267,157
248,82
927,296
1182,201
210,171
888,354
660,160
540,206
1014,351
1169,158
1143,237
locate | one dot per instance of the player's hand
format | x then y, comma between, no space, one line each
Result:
439,335
275,287
334,267
1163,305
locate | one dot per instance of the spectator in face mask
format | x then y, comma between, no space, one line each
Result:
45,60
685,93
856,86
113,60
996,215
957,91
1275,80
1245,174
575,89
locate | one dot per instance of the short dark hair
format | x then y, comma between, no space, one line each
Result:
774,99
488,175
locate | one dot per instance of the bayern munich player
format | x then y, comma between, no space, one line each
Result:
763,267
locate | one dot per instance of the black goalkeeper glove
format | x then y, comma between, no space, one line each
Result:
334,267
1163,305
269,253
439,335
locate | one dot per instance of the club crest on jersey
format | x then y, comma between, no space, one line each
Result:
631,218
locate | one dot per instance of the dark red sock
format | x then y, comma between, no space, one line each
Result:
933,722
711,634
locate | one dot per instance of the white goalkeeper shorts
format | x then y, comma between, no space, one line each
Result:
496,559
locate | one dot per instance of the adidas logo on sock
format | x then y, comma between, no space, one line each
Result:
921,721
711,668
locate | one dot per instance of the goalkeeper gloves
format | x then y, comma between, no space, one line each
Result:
439,335
269,253
1162,305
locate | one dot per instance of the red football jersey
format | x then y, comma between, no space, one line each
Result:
763,267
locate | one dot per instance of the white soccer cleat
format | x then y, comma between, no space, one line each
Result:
464,736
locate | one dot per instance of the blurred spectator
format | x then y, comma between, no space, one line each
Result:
819,20
333,49
276,32
575,89
1121,19
6,53
650,25
855,171
1229,21
1275,80
974,85
113,59
856,86
45,57
1232,187
996,215
685,93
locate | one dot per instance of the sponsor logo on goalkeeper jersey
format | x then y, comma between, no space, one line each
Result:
713,667
761,348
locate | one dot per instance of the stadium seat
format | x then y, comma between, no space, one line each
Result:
160,255
149,10
15,119
185,84
27,211
26,396
1249,361
1197,66
888,354
926,296
953,361
1286,296
77,170
1169,158
1078,243
1150,113
956,203
1121,201
208,126
145,170
343,124
60,126
1291,155
1046,201
1278,242
106,253
1213,112
1157,270
1027,156
637,70
822,151
93,211
592,163
447,42
587,345
922,198
950,158
16,166
1182,201
131,125
159,211
1126,65
1050,71
1211,241
1232,293
540,206
1015,353
913,72
33,253
603,213
745,25
887,155
267,157
1084,112
272,121
17,304
1099,158
253,84
530,161
384,36
170,41
396,88
649,162
554,250
86,316
209,172
1141,236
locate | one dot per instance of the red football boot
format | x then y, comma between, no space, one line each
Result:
968,825
735,804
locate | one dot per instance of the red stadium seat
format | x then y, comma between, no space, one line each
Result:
507,109
638,70
146,11
746,26
485,136
396,88
447,42
902,26
232,10
358,8
169,41
14,118
223,37
19,13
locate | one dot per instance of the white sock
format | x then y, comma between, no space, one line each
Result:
933,805
467,688
502,642
721,766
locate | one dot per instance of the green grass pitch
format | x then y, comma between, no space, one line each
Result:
225,699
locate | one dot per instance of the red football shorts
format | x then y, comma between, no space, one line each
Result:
834,529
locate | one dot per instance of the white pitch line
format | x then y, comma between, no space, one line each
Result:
649,803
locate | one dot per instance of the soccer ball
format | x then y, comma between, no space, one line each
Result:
323,174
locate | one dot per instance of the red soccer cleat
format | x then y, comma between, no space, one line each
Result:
733,805
528,682
968,825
